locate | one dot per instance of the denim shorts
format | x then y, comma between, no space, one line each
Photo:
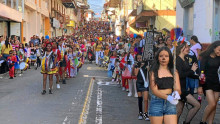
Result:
161,107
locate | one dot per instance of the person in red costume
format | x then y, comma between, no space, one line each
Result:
11,61
122,66
57,53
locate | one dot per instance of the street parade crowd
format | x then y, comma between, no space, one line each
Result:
197,70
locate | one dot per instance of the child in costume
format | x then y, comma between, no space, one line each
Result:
111,65
101,57
72,68
90,55
17,66
11,61
57,53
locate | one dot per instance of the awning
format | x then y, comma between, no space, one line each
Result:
147,14
133,13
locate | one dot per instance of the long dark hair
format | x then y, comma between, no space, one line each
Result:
156,64
7,44
195,38
180,46
205,54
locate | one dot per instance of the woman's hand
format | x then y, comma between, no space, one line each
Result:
194,67
200,91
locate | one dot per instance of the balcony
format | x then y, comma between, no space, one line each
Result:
44,8
30,4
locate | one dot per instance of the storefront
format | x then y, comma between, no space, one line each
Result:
10,21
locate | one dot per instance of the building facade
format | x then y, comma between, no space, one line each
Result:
200,18
11,18
36,19
136,16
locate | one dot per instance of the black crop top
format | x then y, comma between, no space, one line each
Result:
165,83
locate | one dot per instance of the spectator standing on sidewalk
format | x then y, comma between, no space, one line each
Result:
210,63
163,102
6,48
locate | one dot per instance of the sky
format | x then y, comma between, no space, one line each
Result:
96,6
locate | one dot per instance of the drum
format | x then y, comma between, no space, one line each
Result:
33,58
23,66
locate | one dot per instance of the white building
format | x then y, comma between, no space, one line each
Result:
200,18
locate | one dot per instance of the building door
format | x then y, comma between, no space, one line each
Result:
216,28
188,21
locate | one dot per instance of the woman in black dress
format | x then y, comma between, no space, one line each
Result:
184,71
210,63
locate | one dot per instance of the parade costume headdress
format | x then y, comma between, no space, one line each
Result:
175,33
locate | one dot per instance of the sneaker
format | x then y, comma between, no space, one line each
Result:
11,78
219,102
127,90
195,91
58,86
113,80
123,89
146,117
50,92
136,95
203,122
140,116
129,94
43,92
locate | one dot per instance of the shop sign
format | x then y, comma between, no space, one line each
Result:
71,24
56,23
185,3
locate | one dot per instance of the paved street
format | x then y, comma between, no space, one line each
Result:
81,100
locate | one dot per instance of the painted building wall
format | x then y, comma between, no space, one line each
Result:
36,19
159,4
202,24
168,22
